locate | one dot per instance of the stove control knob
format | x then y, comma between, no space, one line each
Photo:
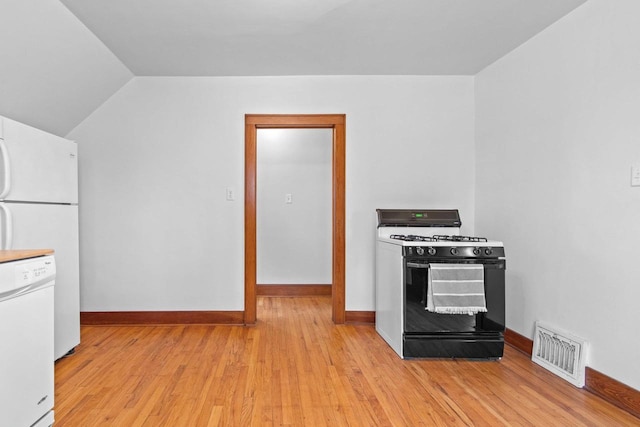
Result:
454,251
488,251
431,251
420,251
476,251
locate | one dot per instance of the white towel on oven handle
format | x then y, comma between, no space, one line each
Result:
456,289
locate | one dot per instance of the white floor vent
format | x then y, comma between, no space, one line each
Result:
560,353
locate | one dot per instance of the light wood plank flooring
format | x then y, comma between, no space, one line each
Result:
295,368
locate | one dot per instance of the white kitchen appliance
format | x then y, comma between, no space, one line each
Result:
414,249
39,209
26,332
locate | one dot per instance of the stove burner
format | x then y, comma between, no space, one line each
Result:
412,238
441,238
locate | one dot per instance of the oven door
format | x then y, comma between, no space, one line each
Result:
420,321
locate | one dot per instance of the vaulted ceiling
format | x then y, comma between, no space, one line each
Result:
302,37
53,71
57,68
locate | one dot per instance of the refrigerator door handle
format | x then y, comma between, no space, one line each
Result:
7,226
6,167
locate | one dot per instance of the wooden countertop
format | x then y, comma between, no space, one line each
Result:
6,256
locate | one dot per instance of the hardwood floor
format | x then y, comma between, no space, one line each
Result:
296,368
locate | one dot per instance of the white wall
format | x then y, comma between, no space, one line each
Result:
557,132
54,71
294,240
155,159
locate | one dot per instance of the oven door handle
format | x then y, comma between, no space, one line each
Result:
417,265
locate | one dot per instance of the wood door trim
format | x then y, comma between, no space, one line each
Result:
294,120
253,122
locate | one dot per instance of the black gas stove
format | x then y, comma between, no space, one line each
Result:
413,248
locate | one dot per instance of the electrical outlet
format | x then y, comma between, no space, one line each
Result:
231,194
635,175
288,198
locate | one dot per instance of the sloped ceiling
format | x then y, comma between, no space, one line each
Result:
53,71
312,37
57,68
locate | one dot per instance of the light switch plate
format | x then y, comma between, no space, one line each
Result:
635,175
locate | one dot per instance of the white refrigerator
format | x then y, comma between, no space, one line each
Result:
39,210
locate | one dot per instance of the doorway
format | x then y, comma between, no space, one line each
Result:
336,122
294,211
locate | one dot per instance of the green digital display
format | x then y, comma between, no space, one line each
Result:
419,215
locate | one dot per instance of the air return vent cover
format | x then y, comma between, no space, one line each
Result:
560,352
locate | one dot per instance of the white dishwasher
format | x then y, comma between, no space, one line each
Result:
26,342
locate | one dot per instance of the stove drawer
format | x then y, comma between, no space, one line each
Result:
450,346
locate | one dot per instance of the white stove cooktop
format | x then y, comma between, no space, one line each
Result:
384,234
489,243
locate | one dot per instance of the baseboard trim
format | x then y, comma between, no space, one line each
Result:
607,388
613,391
292,290
520,342
161,317
368,317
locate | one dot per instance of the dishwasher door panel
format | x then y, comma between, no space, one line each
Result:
26,358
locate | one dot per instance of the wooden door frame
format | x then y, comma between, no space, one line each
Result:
253,122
